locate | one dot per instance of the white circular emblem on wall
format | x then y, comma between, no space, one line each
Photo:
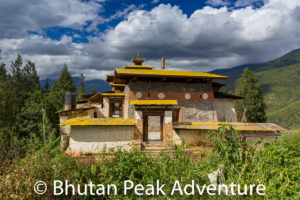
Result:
204,95
138,95
161,95
187,96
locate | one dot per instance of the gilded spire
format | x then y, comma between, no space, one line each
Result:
163,64
138,60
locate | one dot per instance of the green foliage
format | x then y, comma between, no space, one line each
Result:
287,117
47,85
10,146
63,84
94,90
279,80
16,88
6,103
282,94
253,102
227,144
275,164
81,88
55,100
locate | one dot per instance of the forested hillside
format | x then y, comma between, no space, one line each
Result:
279,79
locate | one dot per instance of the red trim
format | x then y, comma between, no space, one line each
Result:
169,95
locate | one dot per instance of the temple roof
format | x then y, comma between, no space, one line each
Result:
98,122
239,126
138,67
109,78
77,109
165,73
113,94
139,70
117,85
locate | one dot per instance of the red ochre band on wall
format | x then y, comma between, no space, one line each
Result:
183,96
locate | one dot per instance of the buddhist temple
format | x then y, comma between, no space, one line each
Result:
152,107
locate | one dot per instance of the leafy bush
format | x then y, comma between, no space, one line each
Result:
276,165
10,146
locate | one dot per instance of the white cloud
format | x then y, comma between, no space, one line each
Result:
18,17
208,39
244,3
218,2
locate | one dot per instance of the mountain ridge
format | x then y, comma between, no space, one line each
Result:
279,80
100,84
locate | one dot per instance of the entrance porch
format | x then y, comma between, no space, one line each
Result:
154,122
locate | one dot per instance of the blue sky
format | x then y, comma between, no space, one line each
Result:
111,7
94,36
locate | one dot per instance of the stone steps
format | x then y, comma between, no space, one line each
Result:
156,147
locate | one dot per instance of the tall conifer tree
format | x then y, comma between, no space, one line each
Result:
253,105
56,99
47,85
82,87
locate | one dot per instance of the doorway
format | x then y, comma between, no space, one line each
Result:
153,126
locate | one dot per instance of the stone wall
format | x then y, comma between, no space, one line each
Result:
255,136
225,110
168,128
95,139
192,137
99,110
197,111
64,133
105,109
194,109
197,137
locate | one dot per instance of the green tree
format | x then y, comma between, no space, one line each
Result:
94,90
24,81
31,80
30,116
253,105
47,85
55,102
81,88
5,102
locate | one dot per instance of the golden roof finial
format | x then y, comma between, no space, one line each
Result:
138,60
163,64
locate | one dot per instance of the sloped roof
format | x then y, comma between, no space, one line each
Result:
117,85
165,73
112,94
239,126
138,67
109,78
75,109
98,122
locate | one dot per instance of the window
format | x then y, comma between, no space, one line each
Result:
175,115
115,108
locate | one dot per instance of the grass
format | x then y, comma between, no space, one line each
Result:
288,117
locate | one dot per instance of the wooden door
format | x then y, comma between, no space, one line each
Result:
145,128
